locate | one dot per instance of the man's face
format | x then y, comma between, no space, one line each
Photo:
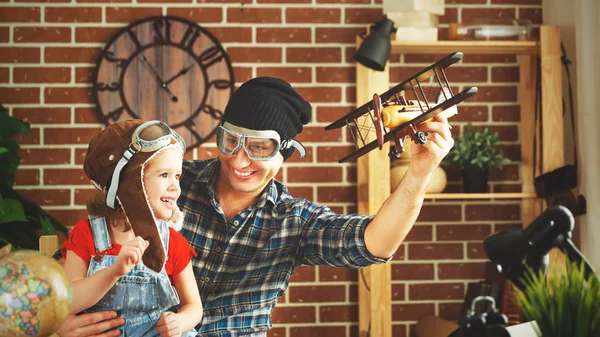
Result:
242,174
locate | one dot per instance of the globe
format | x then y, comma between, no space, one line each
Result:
35,294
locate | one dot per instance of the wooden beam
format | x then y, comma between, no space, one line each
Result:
374,282
466,47
530,208
48,244
552,114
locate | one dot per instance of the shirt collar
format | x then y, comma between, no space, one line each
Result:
208,176
270,194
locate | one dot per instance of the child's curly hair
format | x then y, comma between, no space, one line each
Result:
116,218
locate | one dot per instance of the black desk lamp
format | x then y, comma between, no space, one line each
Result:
375,49
510,251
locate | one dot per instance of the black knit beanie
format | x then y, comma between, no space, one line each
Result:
267,103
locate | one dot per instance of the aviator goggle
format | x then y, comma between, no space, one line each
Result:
258,144
148,137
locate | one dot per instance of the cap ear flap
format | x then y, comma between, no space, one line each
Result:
133,199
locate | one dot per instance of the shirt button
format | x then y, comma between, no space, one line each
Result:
218,249
206,279
236,222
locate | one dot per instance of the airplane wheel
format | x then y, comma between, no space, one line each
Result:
378,120
421,137
393,153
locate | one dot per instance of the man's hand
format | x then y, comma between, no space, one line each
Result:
425,158
168,325
92,325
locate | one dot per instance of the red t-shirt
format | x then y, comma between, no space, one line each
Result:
81,242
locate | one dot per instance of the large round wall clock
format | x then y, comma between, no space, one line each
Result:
164,68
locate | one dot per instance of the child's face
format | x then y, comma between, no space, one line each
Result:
161,181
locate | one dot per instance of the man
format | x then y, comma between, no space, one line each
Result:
250,234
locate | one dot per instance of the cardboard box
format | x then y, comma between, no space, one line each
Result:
416,34
414,19
430,6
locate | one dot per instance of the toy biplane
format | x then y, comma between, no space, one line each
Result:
396,113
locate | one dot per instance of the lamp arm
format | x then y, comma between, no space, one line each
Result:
569,248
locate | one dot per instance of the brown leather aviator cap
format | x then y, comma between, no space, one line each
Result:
103,155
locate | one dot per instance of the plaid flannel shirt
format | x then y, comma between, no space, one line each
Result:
243,265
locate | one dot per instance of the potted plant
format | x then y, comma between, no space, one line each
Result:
563,304
21,220
475,152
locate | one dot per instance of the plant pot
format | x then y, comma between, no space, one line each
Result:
436,184
475,179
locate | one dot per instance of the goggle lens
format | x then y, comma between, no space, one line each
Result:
257,148
230,142
261,148
154,132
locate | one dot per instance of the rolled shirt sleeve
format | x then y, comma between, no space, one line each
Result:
335,240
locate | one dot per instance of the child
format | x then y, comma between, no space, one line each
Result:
137,166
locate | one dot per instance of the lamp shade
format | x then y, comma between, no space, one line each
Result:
375,49
511,251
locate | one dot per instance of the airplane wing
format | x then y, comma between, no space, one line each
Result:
421,76
403,129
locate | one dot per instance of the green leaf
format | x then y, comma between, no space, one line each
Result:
477,148
46,225
10,126
13,211
564,303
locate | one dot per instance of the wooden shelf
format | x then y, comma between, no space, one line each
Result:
466,47
373,174
480,196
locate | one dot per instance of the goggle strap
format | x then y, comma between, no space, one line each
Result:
113,187
295,144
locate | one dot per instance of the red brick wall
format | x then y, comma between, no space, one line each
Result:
48,49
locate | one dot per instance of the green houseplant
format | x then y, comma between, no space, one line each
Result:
475,152
21,220
563,304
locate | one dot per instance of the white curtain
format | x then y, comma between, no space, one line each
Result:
580,26
587,27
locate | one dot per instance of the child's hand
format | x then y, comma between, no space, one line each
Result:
168,325
130,255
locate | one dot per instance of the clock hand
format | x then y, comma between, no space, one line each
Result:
182,72
162,83
173,97
145,60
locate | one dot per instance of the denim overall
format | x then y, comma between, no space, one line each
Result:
142,295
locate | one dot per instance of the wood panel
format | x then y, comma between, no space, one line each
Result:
466,47
375,282
553,153
48,244
479,196
552,136
530,207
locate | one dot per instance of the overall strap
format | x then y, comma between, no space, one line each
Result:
163,230
100,233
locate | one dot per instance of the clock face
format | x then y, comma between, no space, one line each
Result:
164,68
